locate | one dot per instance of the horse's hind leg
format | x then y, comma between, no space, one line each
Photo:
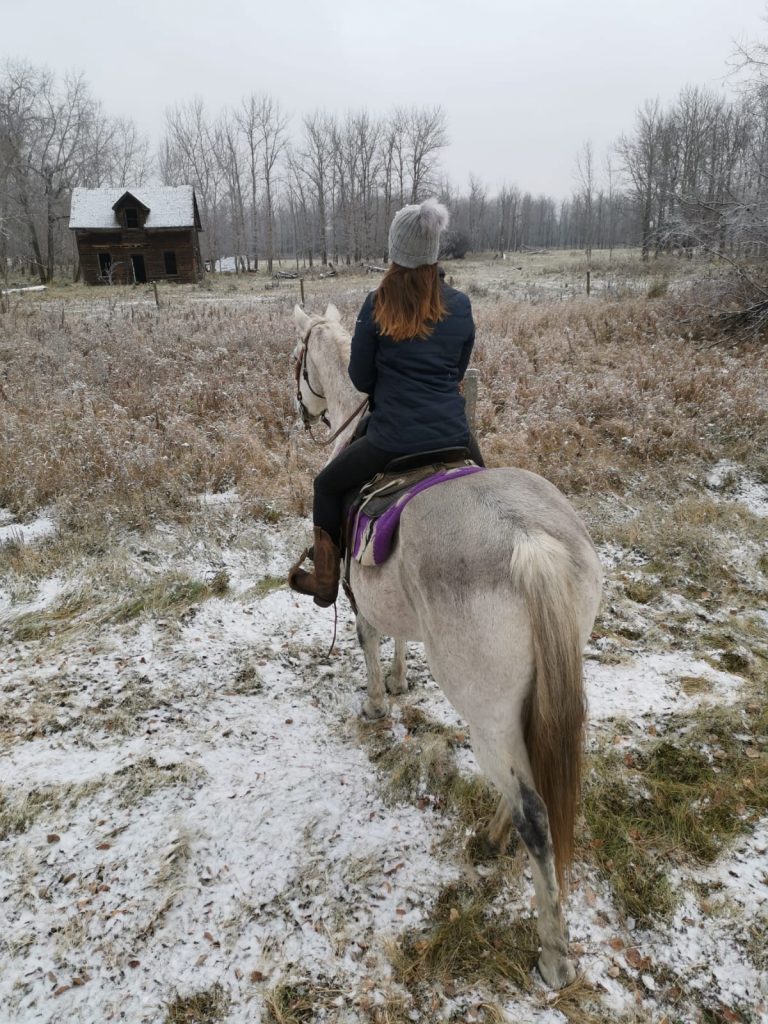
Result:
376,704
396,681
510,770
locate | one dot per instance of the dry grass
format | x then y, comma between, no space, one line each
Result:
208,1007
120,412
90,608
299,1001
467,939
129,786
421,769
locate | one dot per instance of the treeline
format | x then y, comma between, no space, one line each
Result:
325,187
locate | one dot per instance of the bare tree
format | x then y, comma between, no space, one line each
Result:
270,134
585,177
45,129
315,158
477,202
190,156
229,154
426,134
640,155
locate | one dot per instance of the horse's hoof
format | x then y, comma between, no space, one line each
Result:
556,969
373,712
480,848
396,685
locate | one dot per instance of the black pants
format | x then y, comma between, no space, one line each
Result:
355,464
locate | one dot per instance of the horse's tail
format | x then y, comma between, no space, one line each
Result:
556,708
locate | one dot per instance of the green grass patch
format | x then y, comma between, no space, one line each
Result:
689,544
684,797
171,595
267,584
641,591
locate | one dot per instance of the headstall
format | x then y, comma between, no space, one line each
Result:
301,373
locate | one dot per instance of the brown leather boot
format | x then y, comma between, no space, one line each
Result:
323,583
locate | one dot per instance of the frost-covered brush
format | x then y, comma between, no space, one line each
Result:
495,574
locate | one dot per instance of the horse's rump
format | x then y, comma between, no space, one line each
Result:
496,575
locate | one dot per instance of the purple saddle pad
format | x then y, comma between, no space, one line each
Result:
373,537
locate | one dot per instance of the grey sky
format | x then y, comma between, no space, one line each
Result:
524,85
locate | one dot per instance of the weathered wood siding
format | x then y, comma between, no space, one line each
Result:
152,245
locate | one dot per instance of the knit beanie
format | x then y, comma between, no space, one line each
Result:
414,235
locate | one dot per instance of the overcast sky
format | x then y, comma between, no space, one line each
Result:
524,84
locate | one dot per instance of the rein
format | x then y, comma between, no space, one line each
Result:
301,373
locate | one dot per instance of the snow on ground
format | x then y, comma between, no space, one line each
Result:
652,685
215,817
23,533
728,477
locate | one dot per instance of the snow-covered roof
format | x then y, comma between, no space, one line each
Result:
169,206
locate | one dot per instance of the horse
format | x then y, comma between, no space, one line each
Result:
495,574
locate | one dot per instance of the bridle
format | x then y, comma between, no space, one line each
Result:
300,373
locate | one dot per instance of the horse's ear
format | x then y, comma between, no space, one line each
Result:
331,313
301,318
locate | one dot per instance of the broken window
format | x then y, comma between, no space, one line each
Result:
170,263
105,264
131,217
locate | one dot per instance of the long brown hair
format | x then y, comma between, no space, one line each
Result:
408,302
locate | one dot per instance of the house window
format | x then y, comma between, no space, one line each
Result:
105,264
170,263
131,217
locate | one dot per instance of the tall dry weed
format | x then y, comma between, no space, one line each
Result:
119,412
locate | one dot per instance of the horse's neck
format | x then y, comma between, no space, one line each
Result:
332,361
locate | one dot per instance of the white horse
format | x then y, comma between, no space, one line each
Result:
495,574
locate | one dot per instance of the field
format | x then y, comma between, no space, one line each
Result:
194,824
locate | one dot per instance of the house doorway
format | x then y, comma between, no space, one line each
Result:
139,271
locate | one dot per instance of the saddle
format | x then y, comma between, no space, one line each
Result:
372,512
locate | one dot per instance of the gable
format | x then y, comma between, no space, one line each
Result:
129,199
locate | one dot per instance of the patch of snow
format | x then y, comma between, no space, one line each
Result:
741,487
650,685
219,497
23,533
48,591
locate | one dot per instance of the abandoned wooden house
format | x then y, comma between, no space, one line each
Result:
129,236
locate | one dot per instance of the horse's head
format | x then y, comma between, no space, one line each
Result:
310,397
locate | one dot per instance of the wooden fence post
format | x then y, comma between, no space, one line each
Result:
471,378
301,283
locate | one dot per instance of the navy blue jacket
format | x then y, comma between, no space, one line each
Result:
415,383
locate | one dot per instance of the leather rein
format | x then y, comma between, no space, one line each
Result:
301,373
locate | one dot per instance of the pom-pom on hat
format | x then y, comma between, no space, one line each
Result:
414,235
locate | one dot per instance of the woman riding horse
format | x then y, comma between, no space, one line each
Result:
411,347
